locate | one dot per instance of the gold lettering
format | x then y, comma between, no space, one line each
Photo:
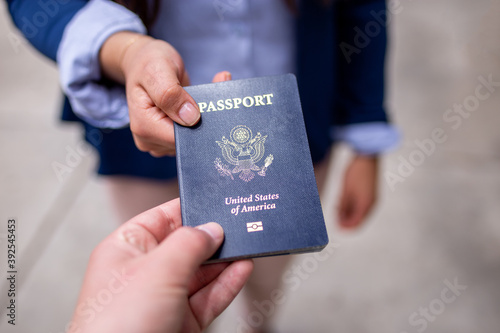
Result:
211,107
248,104
236,102
202,106
258,100
268,98
220,105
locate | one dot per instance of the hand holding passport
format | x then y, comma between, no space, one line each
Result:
246,165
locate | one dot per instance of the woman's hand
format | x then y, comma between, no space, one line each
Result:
359,192
154,74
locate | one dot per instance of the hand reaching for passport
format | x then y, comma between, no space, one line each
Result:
148,276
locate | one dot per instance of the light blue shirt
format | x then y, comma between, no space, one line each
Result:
210,37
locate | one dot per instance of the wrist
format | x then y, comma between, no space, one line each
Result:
371,158
114,51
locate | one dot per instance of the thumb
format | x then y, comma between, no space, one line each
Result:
222,76
164,85
181,254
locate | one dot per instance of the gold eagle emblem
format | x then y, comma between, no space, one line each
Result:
244,151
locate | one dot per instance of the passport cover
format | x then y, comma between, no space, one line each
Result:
246,165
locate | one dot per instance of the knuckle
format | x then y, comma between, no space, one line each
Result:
157,153
178,64
138,132
141,145
170,152
170,96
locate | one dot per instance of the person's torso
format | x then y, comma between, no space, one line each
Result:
248,38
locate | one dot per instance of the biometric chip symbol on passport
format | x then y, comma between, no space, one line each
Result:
254,226
244,151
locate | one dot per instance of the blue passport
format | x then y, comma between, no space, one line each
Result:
246,165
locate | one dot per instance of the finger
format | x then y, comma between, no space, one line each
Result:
134,238
144,232
150,126
139,235
156,136
163,83
150,145
364,207
205,275
346,211
209,302
185,80
343,208
162,152
153,148
161,220
222,76
353,213
177,258
350,221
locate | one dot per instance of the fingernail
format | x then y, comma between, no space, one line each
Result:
227,76
213,229
189,114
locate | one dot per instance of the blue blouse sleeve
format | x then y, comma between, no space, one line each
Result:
95,101
43,22
361,45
